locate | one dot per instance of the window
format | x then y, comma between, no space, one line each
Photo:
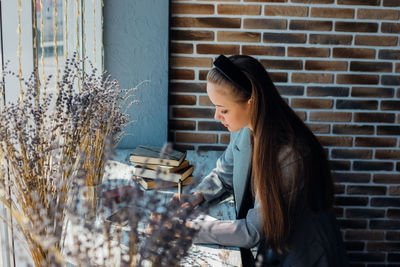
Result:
39,35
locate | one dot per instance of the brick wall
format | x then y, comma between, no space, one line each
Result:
337,62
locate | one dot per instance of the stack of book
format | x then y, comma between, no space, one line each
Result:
157,168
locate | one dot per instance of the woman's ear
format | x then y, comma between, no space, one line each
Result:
250,101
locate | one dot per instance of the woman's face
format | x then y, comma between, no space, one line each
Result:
233,115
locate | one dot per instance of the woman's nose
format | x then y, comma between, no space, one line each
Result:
216,115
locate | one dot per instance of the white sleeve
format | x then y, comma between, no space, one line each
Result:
244,233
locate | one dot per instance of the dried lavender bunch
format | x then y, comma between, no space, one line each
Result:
44,140
121,239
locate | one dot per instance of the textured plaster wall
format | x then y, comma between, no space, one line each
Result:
136,49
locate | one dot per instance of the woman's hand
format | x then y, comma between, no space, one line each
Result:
187,201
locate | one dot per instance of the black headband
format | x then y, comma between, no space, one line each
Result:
233,73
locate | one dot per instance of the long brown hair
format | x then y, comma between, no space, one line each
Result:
274,126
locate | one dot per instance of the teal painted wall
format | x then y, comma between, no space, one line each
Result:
135,42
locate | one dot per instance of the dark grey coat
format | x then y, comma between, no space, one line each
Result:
315,239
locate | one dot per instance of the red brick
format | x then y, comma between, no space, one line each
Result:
388,27
372,92
390,105
203,75
371,40
330,116
307,52
244,37
239,9
181,48
331,39
191,8
383,246
205,22
386,178
377,14
357,79
366,190
182,100
188,87
192,35
391,3
306,103
184,137
385,224
359,2
301,114
290,90
394,190
374,142
310,25
358,177
327,91
217,49
394,214
278,77
190,62
372,166
224,138
390,80
181,125
364,235
181,74
282,64
314,1
322,12
351,153
373,117
263,50
353,129
339,165
373,66
326,65
193,112
353,224
276,24
389,54
397,69
345,26
290,38
312,78
388,130
364,213
211,126
351,201
387,154
353,53
335,140
356,104
286,11
319,128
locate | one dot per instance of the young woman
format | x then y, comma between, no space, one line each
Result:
276,170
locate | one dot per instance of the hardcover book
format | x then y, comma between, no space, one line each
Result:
155,155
